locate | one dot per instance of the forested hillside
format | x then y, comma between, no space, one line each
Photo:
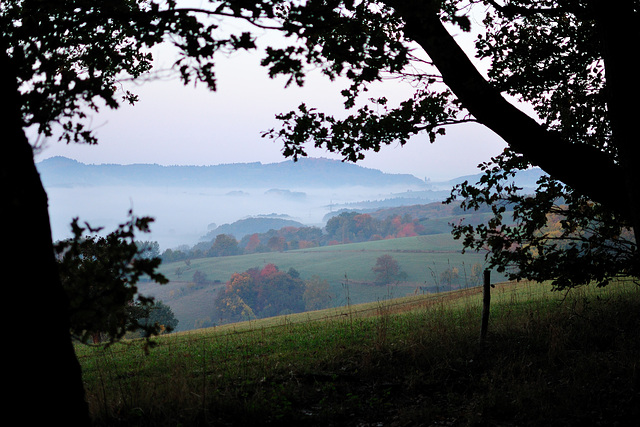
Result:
60,171
259,235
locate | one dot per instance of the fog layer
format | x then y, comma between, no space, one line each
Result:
184,214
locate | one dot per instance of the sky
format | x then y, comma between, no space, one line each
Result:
177,125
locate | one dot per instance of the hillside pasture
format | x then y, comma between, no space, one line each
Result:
551,358
347,268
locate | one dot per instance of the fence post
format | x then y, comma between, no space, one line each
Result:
486,304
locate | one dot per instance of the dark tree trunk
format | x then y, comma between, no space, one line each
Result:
619,31
486,306
584,168
44,379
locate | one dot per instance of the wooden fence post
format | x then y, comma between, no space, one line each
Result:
486,304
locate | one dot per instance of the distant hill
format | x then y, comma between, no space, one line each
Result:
417,211
526,178
306,172
435,192
394,200
242,227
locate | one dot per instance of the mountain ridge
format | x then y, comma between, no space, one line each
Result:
310,172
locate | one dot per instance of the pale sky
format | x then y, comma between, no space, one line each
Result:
177,125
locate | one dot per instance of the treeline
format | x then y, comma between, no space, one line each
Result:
348,227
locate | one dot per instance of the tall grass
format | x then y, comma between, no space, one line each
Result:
550,358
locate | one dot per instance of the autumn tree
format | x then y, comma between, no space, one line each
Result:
277,244
231,302
259,293
224,245
355,227
253,243
317,294
268,270
405,226
341,227
285,238
280,293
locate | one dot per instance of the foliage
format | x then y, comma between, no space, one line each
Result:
62,60
200,278
387,270
554,234
317,294
252,243
99,275
224,245
58,53
259,293
158,316
148,249
356,227
347,227
566,60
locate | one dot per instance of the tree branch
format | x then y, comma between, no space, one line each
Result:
510,10
584,168
251,21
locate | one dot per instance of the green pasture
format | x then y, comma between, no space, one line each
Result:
397,362
347,268
420,257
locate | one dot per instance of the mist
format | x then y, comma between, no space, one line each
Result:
182,215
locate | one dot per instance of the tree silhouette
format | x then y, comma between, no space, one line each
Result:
568,61
100,276
59,61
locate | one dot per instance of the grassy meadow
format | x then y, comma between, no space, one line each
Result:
550,358
347,268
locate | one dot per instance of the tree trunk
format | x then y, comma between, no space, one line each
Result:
486,306
46,383
618,28
586,169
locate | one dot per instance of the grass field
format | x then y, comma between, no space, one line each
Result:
551,358
347,268
333,262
